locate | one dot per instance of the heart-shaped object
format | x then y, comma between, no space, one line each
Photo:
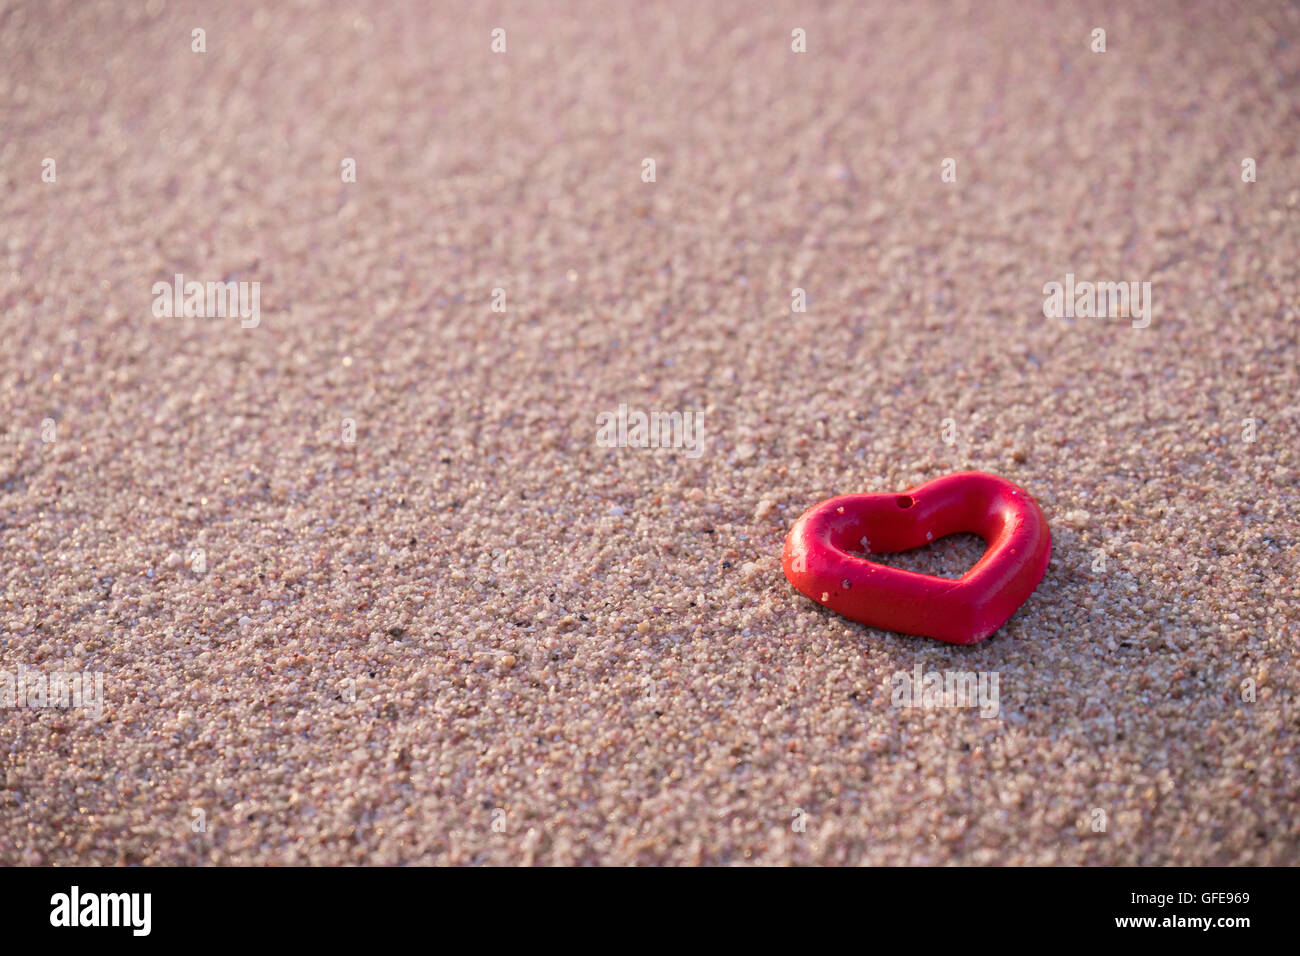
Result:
964,611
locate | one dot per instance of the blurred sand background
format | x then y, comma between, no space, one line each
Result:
473,614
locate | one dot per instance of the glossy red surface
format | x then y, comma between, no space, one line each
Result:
962,611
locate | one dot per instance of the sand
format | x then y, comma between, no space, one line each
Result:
473,634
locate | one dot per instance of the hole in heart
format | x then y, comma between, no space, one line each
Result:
904,501
949,557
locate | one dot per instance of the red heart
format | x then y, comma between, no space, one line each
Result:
964,611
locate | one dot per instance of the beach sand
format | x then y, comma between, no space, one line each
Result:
472,633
